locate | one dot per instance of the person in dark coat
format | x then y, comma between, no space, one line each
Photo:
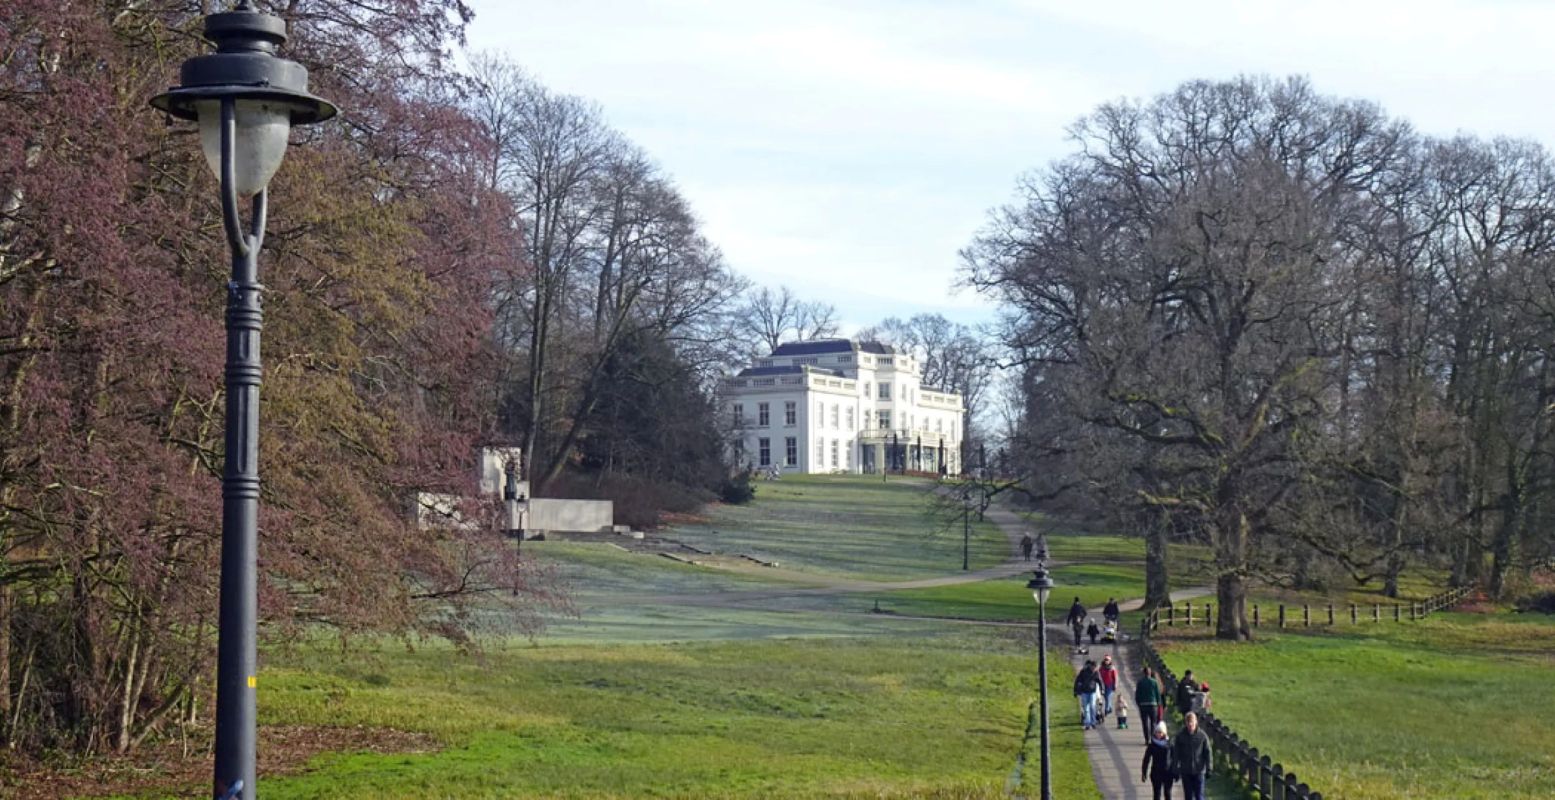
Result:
1157,766
1076,620
1147,696
1191,757
1187,693
1093,631
1085,684
1025,545
1111,612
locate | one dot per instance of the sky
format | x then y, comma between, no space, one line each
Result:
848,150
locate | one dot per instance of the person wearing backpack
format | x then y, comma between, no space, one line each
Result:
1187,694
1085,685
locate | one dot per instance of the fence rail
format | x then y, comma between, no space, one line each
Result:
1255,770
1357,613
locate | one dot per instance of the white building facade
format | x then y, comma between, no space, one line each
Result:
837,405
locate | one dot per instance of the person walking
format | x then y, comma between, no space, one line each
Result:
1076,620
1156,769
1187,693
1093,631
1109,683
1085,685
1026,544
1147,696
1111,612
1191,757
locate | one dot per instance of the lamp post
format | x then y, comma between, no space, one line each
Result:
966,530
246,100
1040,585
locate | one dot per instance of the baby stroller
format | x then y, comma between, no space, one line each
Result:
1109,634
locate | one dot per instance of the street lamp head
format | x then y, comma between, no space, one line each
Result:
1040,585
269,95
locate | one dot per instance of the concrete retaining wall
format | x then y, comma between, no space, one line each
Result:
554,514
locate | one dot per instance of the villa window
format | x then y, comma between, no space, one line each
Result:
850,418
834,445
820,451
885,391
790,413
765,453
739,414
763,415
885,420
791,451
834,423
820,415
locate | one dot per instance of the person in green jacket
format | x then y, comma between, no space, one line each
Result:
1191,757
1147,696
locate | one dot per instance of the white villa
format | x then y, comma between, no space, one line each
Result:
837,405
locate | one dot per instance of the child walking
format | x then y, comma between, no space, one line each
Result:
1122,709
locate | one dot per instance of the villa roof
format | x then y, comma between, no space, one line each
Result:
816,346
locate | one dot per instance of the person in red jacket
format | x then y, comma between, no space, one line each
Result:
1109,683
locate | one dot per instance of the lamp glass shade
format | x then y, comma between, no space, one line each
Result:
1040,595
259,144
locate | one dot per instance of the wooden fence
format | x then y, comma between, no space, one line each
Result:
1254,770
1356,614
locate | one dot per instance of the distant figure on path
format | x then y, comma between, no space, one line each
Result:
1093,631
1110,613
1157,766
1187,694
1026,544
1191,757
1109,683
1085,685
1147,695
1076,620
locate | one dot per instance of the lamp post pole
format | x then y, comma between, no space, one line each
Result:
246,100
966,530
1040,585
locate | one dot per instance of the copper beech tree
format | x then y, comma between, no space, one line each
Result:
386,242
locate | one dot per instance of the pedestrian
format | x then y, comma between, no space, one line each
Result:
1187,693
1191,757
1076,620
1147,695
1085,692
1110,612
1093,631
1122,713
1025,545
1109,682
1204,696
1157,766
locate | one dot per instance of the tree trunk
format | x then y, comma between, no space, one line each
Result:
1157,583
1231,587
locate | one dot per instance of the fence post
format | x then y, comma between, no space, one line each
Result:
1171,615
1353,619
1265,776
1306,615
1291,786
1209,614
1376,612
1190,613
1412,615
1255,615
1330,615
1395,612
1282,615
1278,784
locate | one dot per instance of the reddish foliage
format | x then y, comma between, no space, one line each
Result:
382,250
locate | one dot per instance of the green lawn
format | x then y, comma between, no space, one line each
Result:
923,716
847,526
1455,707
1008,599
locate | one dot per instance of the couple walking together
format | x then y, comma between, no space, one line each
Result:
1184,757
